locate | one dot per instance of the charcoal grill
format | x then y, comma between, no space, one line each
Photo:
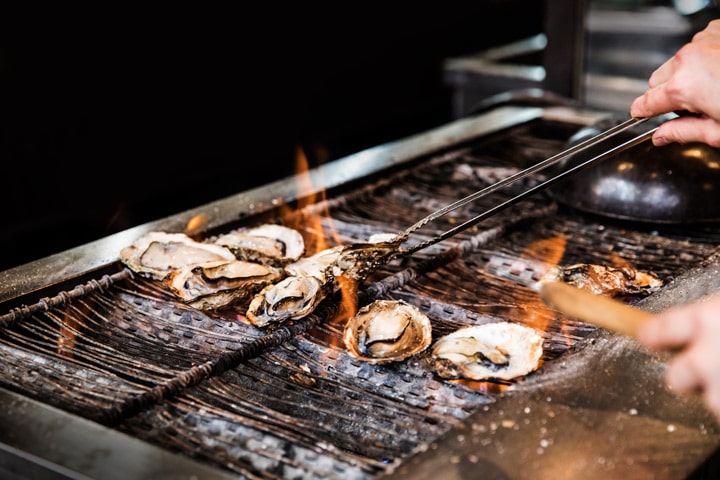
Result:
106,376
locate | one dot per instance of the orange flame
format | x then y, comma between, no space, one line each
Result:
550,251
325,231
66,337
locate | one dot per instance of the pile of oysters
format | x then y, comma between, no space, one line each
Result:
264,267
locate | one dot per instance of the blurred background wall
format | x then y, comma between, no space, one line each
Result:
111,117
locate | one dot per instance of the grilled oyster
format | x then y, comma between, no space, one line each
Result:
291,298
606,280
310,280
387,331
216,284
501,350
269,243
155,254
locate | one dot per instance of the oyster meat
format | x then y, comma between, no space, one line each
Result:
269,243
387,331
217,284
156,254
501,350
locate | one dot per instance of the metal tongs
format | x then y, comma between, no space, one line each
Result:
597,139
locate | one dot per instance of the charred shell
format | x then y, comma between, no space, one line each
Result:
269,243
359,260
604,280
387,331
156,254
501,350
220,283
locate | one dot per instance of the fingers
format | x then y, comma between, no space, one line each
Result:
696,371
662,74
653,102
666,331
691,330
688,129
677,327
684,375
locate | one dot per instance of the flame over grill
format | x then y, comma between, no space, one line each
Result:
290,402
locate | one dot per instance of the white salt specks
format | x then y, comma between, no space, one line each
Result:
633,411
671,428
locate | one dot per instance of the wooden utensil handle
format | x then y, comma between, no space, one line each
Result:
591,308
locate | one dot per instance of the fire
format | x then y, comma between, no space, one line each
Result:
320,223
67,337
550,251
196,225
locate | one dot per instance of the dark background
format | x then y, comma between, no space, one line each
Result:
111,119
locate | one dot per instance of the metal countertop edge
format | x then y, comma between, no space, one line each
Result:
44,442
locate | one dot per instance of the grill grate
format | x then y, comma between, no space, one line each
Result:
291,403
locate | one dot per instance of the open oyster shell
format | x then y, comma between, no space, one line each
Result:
310,280
156,254
291,298
502,350
387,331
269,243
216,284
605,280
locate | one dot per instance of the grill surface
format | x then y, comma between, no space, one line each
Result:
290,402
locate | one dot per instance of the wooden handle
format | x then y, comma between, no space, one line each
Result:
591,308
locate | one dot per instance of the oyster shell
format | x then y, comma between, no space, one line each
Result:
269,243
155,254
606,280
387,331
312,279
501,350
318,265
358,260
216,284
308,282
291,298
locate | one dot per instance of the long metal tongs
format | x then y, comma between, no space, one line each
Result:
597,139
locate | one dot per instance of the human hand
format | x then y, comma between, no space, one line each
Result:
690,81
692,330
